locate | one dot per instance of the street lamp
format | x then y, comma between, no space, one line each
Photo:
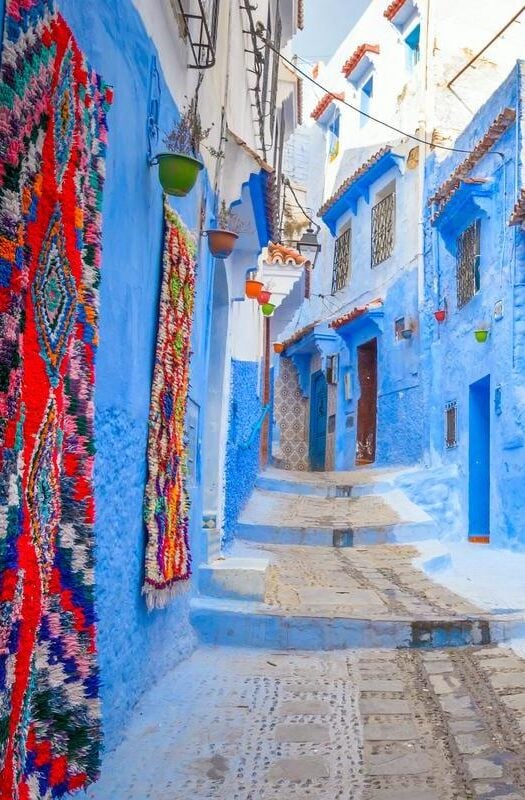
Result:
308,245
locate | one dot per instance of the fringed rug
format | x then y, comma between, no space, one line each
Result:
168,562
53,138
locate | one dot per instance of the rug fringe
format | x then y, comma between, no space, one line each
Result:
160,598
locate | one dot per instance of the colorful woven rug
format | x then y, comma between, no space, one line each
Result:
168,562
53,138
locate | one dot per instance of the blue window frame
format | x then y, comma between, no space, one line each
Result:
367,92
413,50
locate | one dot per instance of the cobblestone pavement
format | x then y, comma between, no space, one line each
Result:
377,582
319,512
351,725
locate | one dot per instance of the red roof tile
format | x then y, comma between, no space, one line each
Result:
447,189
357,312
394,8
518,212
295,337
324,102
352,62
349,181
281,254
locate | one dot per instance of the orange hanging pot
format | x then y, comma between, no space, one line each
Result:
264,297
278,347
253,288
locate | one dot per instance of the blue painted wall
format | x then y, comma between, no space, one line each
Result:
135,646
242,464
454,360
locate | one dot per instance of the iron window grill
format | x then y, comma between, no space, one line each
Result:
451,424
200,19
342,256
383,229
467,264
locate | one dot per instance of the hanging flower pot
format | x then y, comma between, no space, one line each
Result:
178,172
221,242
268,309
278,347
264,297
481,335
253,288
440,314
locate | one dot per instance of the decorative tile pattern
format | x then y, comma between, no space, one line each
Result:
291,415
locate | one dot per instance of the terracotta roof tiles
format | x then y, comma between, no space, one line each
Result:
349,181
281,254
447,189
355,313
298,335
324,102
394,8
352,62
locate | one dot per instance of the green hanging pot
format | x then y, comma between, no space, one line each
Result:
481,335
268,309
178,172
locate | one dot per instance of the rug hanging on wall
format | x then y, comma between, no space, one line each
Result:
168,561
53,137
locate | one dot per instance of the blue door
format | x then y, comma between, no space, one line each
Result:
479,460
318,417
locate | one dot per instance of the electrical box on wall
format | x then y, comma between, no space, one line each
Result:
332,369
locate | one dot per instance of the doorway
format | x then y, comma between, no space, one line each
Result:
367,403
479,461
318,420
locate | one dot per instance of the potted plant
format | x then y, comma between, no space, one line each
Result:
268,309
180,164
253,287
264,296
481,332
440,314
278,347
222,239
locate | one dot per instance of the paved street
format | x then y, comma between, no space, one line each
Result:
365,725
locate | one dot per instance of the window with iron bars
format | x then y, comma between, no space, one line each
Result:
451,424
467,263
383,229
342,260
200,19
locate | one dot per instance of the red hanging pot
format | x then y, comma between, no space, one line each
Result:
264,297
440,314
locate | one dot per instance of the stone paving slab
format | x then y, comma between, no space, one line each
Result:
266,725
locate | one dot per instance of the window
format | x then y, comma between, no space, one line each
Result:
412,43
333,137
367,92
332,369
399,327
467,263
342,257
451,424
383,226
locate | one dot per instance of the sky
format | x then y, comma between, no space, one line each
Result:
326,23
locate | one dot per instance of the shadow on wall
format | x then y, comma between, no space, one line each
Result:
242,462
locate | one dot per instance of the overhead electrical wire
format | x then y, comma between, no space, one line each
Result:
388,125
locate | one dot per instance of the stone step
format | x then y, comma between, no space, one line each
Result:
220,621
357,483
237,578
284,518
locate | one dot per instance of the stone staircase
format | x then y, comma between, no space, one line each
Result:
324,561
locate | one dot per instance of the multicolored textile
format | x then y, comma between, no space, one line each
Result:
168,562
53,138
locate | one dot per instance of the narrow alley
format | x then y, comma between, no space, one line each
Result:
262,400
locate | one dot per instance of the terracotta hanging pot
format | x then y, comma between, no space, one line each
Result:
253,288
440,314
221,242
264,297
278,347
178,172
268,309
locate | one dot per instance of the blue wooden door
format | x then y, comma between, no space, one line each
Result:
318,417
479,459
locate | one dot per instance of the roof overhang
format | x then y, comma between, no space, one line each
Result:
370,315
318,339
